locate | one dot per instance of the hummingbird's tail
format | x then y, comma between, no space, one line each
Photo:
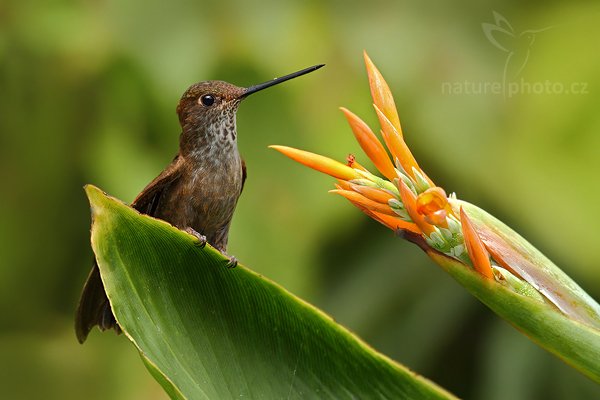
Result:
94,308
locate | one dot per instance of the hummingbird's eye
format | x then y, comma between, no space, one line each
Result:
207,100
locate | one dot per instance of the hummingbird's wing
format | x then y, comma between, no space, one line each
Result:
94,307
148,200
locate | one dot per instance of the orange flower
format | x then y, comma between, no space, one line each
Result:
433,205
372,193
409,199
362,201
370,144
394,141
477,252
344,185
394,223
320,163
382,96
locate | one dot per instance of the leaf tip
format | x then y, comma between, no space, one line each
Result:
94,194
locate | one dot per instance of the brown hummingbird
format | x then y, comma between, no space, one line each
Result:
197,191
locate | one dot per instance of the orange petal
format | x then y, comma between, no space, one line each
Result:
410,204
477,252
382,96
320,163
343,185
394,141
370,144
433,205
437,218
392,222
378,195
362,201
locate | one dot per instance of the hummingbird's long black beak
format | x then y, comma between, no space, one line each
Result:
276,81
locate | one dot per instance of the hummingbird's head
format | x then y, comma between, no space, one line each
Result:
206,102
207,117
207,109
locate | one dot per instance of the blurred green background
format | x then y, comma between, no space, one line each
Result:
88,93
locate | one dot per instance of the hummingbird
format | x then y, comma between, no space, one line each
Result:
198,191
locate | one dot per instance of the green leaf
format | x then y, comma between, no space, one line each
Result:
574,341
209,332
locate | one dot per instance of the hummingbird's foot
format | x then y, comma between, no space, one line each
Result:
232,263
201,238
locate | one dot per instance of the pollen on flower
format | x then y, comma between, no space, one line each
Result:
352,163
351,159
